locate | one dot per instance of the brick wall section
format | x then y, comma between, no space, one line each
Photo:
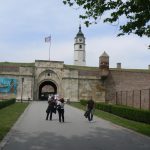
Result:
9,69
89,73
122,80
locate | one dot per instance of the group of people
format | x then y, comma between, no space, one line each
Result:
55,104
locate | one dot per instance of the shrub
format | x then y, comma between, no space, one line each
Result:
83,102
6,103
103,106
131,113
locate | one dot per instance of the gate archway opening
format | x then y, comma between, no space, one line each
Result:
47,88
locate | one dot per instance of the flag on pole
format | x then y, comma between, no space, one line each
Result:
48,39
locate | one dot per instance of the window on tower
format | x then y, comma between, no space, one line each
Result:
80,46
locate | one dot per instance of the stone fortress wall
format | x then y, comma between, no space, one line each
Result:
129,87
79,82
72,82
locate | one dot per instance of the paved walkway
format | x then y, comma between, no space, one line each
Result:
33,132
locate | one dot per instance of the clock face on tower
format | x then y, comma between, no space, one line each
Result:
80,40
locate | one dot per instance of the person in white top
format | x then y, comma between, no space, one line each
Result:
60,109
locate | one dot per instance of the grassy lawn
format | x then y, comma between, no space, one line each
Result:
9,115
133,125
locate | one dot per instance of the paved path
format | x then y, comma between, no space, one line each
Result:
33,132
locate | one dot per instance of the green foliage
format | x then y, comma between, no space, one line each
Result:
104,107
83,102
131,113
6,103
16,64
80,67
136,12
123,111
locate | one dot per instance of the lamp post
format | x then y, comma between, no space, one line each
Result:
22,79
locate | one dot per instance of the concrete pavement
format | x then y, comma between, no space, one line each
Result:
33,132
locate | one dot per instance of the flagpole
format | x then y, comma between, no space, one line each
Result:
49,49
48,40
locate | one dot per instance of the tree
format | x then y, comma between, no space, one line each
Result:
136,13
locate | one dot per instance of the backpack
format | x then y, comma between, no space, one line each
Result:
86,114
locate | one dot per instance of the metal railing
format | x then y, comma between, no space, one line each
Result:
135,98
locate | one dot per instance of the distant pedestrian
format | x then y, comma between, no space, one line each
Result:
90,109
60,109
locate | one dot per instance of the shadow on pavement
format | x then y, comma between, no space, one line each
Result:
97,139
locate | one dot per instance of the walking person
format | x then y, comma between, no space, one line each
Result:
90,109
51,107
60,109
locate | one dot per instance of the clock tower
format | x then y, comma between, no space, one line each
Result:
79,49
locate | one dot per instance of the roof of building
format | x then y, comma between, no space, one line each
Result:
104,54
79,34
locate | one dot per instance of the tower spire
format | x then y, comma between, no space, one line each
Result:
80,28
79,49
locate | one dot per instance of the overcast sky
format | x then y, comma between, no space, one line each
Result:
25,23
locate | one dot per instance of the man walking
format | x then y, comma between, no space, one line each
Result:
90,108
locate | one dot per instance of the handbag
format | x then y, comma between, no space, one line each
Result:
58,107
48,109
86,114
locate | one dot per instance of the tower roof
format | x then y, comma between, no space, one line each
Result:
104,54
80,32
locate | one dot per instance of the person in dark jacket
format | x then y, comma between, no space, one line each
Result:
51,108
90,109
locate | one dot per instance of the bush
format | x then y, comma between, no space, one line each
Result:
131,113
123,111
103,106
83,102
6,103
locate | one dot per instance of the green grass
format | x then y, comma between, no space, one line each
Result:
133,125
17,64
130,70
9,115
81,67
111,69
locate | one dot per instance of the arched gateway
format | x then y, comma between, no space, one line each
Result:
48,79
47,88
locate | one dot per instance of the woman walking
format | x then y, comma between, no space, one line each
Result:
60,108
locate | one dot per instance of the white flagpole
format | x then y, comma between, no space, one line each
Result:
49,47
48,40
